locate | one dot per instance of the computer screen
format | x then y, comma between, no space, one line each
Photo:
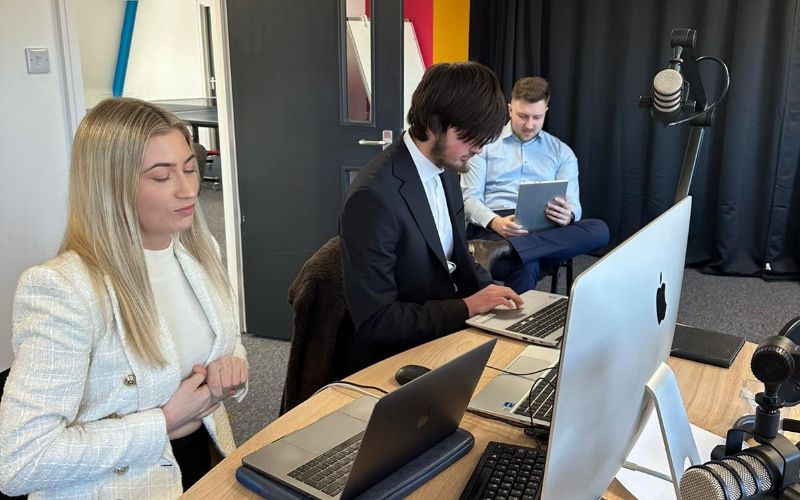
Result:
620,324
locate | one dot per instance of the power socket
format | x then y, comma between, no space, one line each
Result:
38,59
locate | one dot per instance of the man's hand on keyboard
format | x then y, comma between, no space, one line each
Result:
491,297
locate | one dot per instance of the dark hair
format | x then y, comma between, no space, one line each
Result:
531,89
463,95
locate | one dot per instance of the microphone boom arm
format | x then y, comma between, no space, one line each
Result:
699,121
682,41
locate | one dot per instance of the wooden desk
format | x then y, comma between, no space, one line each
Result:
709,393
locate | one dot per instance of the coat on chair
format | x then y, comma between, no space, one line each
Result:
320,320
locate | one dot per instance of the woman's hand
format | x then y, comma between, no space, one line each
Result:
192,401
225,376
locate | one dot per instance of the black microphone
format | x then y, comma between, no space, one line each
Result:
749,474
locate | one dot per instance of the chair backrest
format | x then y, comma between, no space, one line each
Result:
3,378
320,310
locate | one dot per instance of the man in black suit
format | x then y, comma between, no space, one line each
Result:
408,275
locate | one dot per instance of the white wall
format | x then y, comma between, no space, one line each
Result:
356,8
166,58
99,28
34,142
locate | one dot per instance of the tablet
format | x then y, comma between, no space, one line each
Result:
532,201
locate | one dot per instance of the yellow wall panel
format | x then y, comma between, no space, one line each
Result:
450,30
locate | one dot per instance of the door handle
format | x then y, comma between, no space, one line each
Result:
385,142
365,142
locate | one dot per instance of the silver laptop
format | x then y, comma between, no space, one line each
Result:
348,451
620,324
540,320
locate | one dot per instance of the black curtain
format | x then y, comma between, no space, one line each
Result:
600,56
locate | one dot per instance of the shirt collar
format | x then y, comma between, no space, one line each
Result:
507,132
425,168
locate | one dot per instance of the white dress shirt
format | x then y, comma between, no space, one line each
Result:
434,190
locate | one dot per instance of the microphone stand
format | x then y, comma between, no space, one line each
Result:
682,42
763,427
699,123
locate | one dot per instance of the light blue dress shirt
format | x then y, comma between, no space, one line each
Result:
494,176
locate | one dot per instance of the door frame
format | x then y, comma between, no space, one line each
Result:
75,109
227,146
71,71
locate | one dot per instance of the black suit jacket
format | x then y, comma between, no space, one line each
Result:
398,288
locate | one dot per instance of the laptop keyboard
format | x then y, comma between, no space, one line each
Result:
506,472
328,472
544,321
539,402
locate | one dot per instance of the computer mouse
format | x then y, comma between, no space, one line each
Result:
409,372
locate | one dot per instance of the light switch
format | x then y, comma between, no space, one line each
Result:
38,59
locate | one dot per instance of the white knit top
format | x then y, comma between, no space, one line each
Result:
180,308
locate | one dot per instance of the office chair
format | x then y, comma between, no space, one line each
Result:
321,321
554,271
3,378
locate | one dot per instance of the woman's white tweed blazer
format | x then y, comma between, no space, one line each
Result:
80,415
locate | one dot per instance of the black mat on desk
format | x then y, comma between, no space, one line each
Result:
398,485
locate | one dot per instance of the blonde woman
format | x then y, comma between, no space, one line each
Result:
125,343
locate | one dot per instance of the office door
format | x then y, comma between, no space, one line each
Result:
310,80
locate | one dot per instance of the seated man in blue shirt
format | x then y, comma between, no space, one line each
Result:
525,153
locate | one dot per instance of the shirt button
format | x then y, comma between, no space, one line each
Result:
121,471
129,380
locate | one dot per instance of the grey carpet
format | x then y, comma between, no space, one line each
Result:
211,205
746,307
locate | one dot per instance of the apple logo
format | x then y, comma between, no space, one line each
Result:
424,419
661,301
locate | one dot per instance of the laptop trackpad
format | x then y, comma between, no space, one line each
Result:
533,302
326,433
533,360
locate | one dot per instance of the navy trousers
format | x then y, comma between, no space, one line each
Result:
542,250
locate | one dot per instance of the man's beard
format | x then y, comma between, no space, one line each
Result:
437,152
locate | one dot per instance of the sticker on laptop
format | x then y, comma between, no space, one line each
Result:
483,319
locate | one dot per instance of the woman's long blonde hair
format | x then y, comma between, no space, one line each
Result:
102,224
